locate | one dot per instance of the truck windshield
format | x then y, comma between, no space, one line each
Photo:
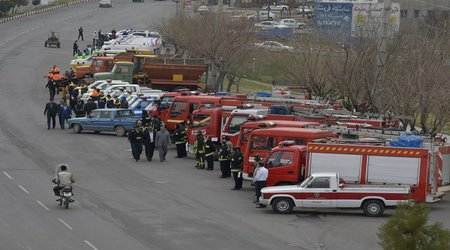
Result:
306,182
178,108
235,123
201,120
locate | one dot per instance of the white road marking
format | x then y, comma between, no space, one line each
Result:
90,244
26,191
65,224
7,175
42,205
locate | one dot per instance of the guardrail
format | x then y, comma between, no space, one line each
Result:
34,12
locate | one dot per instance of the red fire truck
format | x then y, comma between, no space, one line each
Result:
213,121
358,164
261,141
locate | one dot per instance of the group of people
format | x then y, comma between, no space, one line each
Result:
62,110
149,133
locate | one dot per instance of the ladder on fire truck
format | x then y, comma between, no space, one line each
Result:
430,142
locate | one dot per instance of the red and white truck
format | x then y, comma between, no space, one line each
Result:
328,190
360,164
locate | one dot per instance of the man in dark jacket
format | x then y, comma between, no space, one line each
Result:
236,168
90,105
209,153
65,113
51,85
179,140
135,138
51,109
224,159
79,108
148,140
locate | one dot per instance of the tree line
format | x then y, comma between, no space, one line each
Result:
413,82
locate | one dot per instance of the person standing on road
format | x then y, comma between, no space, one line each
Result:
135,138
51,85
51,109
199,151
79,108
179,140
90,105
210,149
224,159
75,48
185,139
149,142
80,34
162,141
260,180
65,113
236,168
94,38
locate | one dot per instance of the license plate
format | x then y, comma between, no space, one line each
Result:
67,194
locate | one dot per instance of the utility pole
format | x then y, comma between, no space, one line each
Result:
382,41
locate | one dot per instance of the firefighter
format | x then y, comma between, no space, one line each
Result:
55,70
199,151
209,153
224,159
185,139
135,137
236,167
179,140
109,102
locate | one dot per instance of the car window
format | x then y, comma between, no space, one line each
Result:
178,108
281,159
208,105
235,123
106,114
320,182
94,114
201,120
124,113
262,143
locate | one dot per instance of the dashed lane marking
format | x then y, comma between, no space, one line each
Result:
7,175
42,205
23,189
65,224
90,244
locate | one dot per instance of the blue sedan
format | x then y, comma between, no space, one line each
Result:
118,121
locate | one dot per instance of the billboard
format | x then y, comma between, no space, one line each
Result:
368,19
333,16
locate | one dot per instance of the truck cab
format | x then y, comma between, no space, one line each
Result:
240,116
261,141
121,71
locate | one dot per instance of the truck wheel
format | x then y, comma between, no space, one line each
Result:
373,208
76,128
282,205
120,131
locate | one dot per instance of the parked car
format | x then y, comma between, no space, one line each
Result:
274,46
307,9
260,15
105,4
269,25
203,9
292,23
118,121
276,7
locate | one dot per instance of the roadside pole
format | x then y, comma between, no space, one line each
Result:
383,37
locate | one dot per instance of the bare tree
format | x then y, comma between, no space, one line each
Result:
212,36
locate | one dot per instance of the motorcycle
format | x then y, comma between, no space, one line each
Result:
66,197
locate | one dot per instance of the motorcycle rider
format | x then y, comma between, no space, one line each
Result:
63,178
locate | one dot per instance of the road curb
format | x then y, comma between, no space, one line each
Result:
43,10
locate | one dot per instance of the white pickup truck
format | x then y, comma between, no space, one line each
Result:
327,190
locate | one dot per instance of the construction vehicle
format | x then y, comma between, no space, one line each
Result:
53,39
158,73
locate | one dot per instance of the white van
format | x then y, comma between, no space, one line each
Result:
115,90
101,85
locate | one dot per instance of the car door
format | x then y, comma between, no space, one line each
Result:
282,169
318,193
104,122
91,120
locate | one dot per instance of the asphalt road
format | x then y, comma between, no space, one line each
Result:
121,204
